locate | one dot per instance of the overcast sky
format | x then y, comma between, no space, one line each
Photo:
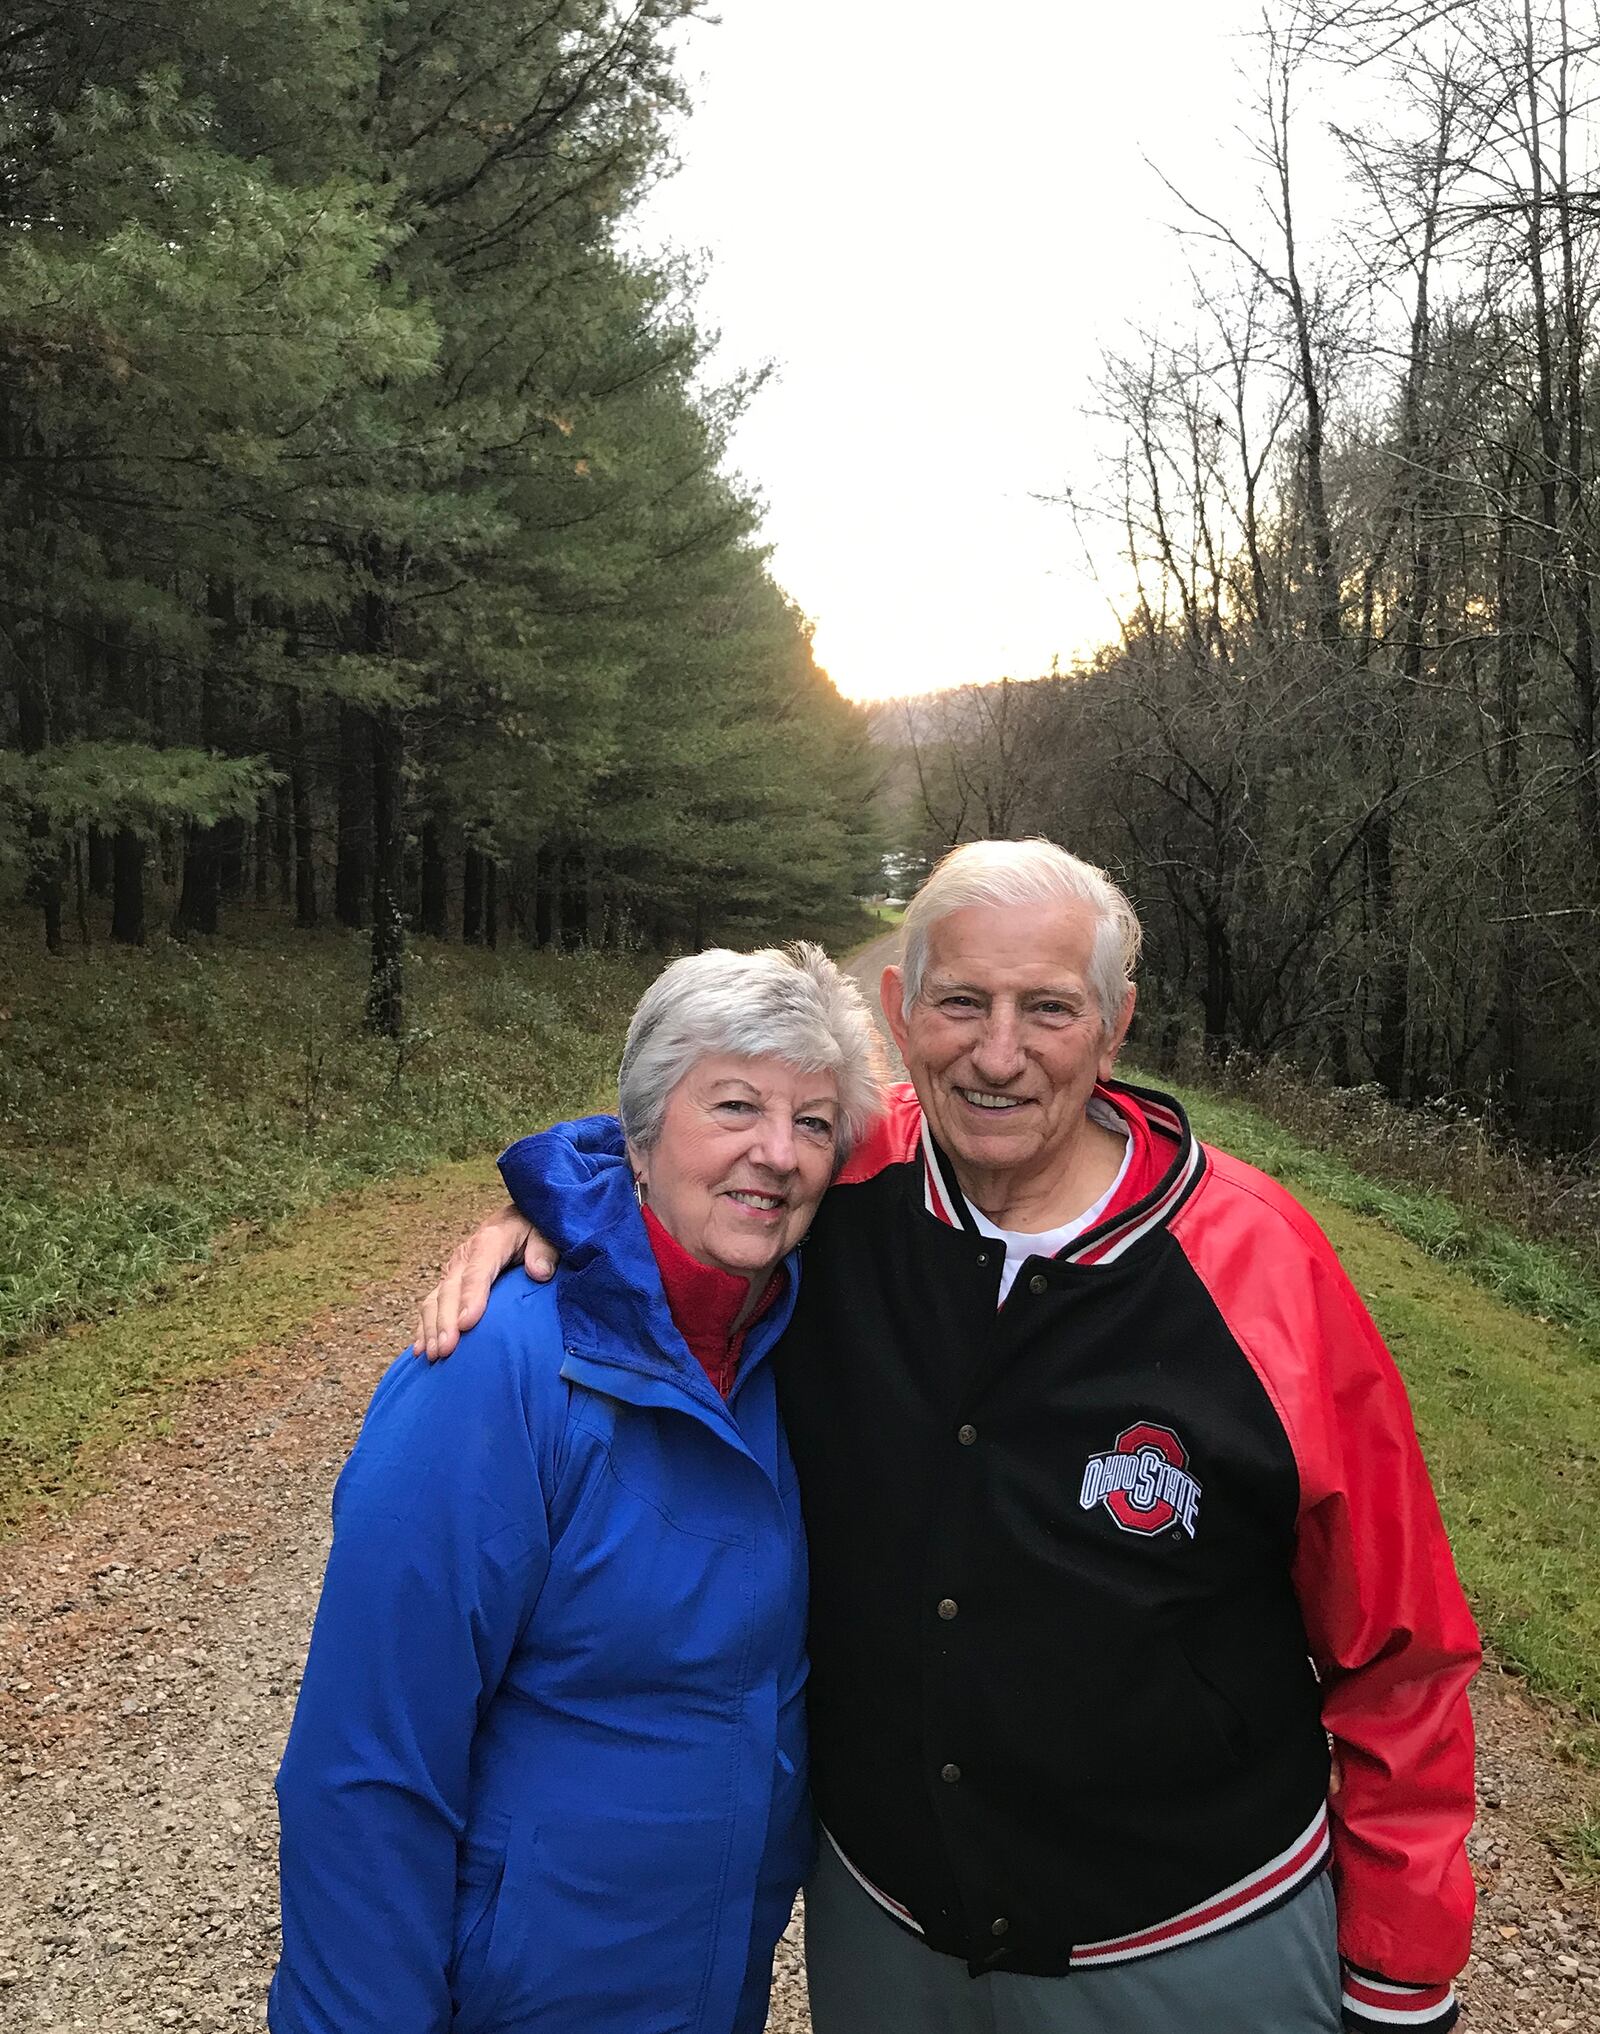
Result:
931,217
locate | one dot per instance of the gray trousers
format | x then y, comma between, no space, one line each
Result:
1278,1974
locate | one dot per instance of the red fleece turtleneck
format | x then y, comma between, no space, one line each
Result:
704,1302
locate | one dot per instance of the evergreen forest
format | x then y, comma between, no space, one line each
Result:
367,549
369,553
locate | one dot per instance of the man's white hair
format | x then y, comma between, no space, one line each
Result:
788,1002
1027,872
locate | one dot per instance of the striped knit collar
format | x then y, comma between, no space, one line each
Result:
1123,1227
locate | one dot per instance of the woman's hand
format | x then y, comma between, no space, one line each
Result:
458,1300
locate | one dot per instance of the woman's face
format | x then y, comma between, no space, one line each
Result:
746,1150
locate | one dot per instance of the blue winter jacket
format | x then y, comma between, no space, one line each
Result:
547,1771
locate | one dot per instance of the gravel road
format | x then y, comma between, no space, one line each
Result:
149,1650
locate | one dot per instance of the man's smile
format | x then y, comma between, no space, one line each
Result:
981,1098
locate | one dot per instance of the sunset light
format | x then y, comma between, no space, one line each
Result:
932,266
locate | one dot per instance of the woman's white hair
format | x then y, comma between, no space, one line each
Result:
790,1002
1027,872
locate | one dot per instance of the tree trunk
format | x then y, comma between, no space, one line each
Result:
49,879
472,897
80,890
433,912
1219,983
385,992
491,903
200,895
575,905
305,866
353,872
1578,478
127,888
543,879
100,862
553,897
519,899
1392,965
261,846
230,859
1511,959
45,869
283,840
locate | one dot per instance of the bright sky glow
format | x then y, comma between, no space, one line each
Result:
930,218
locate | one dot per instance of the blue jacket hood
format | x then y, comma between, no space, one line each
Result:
573,1182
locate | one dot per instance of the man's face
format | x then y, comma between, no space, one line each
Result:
1005,1040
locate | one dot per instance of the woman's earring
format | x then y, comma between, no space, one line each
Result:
638,1188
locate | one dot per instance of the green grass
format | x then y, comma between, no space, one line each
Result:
68,1400
1497,1341
1578,1847
1540,1279
157,1105
1508,1409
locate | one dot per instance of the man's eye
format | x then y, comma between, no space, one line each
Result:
960,1003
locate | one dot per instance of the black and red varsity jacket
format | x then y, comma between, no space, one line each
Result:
1098,1575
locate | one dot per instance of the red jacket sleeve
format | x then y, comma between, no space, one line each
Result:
1388,1626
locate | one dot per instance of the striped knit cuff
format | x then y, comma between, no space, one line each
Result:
1377,2005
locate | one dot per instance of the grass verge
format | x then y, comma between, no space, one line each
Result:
159,1105
1504,1385
1538,1278
70,1399
1578,1847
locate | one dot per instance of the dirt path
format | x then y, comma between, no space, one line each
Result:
867,964
149,1652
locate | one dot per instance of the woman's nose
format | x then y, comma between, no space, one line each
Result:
774,1147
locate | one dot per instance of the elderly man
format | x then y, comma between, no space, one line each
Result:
1117,1519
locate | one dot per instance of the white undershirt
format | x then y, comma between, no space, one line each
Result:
1021,1244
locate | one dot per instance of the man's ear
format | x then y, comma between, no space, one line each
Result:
1116,1035
892,995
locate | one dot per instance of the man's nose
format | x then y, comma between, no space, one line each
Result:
998,1054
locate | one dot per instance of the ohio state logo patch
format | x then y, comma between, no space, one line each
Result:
1144,1481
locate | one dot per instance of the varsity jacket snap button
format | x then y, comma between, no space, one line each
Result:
966,1436
999,1926
983,1257
948,1607
950,1774
1038,1283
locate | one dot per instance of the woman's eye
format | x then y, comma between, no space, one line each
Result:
818,1125
737,1108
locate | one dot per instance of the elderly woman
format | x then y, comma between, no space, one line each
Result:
548,1765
